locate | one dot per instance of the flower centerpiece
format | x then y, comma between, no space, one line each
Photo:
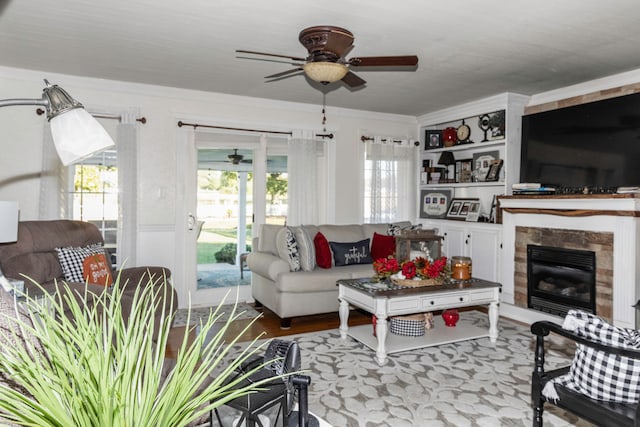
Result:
416,272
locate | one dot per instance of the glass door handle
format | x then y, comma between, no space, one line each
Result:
191,221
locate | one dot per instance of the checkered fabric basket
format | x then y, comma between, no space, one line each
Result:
409,326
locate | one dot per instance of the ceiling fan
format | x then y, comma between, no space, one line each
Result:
326,62
236,158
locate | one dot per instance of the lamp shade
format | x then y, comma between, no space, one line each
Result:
8,222
77,135
325,72
446,158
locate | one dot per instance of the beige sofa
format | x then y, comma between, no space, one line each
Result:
299,293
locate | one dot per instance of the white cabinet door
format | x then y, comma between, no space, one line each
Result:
481,242
484,250
454,241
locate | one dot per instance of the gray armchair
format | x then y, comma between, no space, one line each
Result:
34,256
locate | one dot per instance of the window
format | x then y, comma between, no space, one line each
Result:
389,186
94,195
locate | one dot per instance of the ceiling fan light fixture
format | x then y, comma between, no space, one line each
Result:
325,72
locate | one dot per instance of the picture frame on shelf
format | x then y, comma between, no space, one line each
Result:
493,211
435,203
465,174
460,208
492,125
474,211
432,139
494,170
482,162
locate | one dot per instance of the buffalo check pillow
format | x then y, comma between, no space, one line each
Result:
86,264
597,374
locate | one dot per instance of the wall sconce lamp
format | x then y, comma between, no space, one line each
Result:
76,134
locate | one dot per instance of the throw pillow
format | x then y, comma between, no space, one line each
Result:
396,230
382,246
72,260
288,248
323,251
306,249
351,253
598,374
96,270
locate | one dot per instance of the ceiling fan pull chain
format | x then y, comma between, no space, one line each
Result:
324,116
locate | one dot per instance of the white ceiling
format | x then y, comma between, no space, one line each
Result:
467,49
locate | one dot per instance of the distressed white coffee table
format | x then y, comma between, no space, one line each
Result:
385,300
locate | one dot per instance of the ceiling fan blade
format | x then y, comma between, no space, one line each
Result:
300,73
283,73
352,80
382,61
271,54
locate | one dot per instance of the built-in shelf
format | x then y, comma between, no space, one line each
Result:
473,146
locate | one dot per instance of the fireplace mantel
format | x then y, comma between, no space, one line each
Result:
613,213
574,205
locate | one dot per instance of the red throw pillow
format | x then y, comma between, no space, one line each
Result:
323,251
382,246
95,270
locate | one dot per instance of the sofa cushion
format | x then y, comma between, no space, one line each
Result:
72,260
306,248
323,251
320,280
342,233
267,242
351,253
382,246
288,248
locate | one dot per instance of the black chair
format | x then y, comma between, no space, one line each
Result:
283,357
606,414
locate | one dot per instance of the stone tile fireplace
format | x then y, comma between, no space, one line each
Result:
604,224
601,244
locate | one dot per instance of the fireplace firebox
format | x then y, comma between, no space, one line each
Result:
560,279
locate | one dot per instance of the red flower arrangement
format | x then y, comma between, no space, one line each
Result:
418,268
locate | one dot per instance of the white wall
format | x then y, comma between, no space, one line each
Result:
22,143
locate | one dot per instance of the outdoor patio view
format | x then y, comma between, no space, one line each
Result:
225,219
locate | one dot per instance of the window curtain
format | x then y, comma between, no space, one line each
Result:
54,182
389,179
127,148
302,155
55,186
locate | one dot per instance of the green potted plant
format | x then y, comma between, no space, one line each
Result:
99,367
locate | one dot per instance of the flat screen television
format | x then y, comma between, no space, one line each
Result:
595,145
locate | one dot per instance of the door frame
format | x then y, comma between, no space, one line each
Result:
185,267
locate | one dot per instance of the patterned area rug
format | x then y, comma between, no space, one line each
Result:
470,383
244,309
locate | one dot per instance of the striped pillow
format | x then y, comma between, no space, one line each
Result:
306,249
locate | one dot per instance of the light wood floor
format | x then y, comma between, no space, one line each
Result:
268,326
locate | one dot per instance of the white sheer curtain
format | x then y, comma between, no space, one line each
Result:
54,179
302,170
127,148
55,186
389,180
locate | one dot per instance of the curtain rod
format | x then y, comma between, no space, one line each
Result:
142,120
197,125
365,138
